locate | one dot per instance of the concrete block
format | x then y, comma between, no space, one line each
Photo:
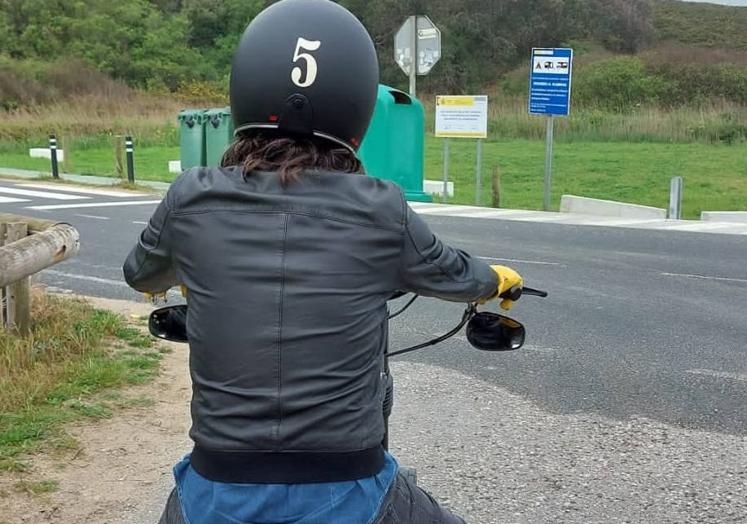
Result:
175,166
593,206
436,187
43,152
724,216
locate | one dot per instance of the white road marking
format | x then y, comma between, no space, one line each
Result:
173,292
9,200
82,190
98,204
139,223
576,219
41,194
536,262
695,227
718,374
99,280
703,277
445,210
93,216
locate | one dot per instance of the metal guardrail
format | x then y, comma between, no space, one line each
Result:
27,246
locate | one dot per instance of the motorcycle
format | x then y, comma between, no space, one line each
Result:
485,331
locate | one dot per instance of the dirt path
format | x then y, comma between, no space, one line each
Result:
492,455
122,472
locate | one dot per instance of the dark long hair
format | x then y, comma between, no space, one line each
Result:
289,157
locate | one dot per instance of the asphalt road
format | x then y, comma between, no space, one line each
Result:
638,323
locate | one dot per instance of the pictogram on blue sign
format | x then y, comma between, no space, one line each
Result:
550,82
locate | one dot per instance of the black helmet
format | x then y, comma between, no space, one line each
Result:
305,67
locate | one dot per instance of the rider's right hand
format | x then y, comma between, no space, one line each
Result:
507,280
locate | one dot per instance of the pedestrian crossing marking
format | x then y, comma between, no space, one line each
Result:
82,190
40,194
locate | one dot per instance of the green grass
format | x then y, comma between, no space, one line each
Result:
701,24
61,372
638,172
37,488
151,163
715,175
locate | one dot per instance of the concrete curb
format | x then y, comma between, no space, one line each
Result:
739,217
609,208
93,180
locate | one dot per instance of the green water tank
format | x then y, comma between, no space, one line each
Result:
218,134
191,138
393,148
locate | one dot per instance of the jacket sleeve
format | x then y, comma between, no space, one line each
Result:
149,267
432,268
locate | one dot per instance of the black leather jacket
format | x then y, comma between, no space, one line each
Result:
287,318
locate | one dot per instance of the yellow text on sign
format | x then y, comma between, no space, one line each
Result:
456,101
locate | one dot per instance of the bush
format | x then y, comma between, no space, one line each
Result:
619,84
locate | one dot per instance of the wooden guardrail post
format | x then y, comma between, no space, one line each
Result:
18,294
27,246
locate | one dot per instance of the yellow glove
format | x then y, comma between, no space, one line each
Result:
507,279
183,289
155,297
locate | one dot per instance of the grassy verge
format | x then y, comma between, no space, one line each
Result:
151,163
715,174
61,372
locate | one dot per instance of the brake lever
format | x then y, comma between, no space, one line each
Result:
516,292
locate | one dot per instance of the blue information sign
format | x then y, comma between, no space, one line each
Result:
550,82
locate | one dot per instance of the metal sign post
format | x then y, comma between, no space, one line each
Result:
445,194
417,48
478,182
462,117
550,79
547,201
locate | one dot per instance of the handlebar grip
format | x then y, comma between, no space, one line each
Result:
512,294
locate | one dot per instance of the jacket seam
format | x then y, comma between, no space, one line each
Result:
424,259
286,212
169,214
280,330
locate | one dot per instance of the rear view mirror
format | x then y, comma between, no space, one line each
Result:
491,332
169,323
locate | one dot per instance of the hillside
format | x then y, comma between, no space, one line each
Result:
707,25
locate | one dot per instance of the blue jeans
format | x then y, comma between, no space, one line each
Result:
405,503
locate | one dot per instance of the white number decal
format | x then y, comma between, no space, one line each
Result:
311,69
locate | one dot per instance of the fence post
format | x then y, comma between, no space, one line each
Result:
19,292
496,193
118,156
3,298
675,198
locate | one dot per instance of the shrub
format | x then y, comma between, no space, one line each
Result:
619,84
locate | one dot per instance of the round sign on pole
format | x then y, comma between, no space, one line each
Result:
417,41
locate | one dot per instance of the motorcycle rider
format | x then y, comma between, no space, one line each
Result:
290,254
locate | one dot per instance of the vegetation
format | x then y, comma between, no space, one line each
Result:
649,73
700,24
634,170
53,375
167,43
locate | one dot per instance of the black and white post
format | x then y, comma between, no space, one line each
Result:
53,156
130,160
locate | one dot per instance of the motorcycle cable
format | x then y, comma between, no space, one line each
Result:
404,308
466,317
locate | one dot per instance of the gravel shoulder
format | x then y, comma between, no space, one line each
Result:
490,455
